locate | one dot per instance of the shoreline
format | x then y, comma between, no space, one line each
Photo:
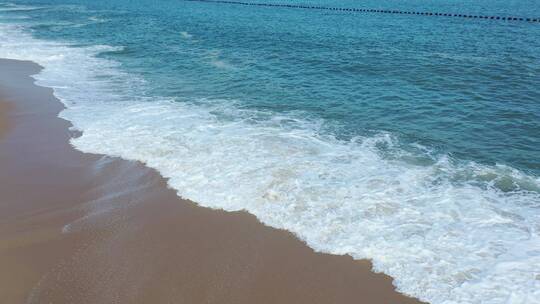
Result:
85,228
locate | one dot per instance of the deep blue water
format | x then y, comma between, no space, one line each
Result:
375,135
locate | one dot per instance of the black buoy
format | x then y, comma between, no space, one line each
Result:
383,11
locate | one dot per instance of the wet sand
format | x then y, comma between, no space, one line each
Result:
4,108
82,228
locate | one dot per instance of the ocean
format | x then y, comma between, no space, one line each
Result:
413,141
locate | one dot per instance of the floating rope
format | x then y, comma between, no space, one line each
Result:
364,10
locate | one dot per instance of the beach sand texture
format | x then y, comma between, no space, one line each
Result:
82,228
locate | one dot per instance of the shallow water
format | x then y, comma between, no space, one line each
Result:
413,141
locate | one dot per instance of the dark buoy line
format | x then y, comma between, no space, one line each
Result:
364,10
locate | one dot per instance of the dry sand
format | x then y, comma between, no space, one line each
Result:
81,228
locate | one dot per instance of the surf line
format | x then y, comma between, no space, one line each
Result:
365,10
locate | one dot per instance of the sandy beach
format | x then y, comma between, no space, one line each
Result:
81,228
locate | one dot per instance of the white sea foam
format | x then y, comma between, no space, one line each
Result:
186,35
10,7
215,59
445,231
97,19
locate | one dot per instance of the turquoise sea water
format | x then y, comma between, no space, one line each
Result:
410,140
